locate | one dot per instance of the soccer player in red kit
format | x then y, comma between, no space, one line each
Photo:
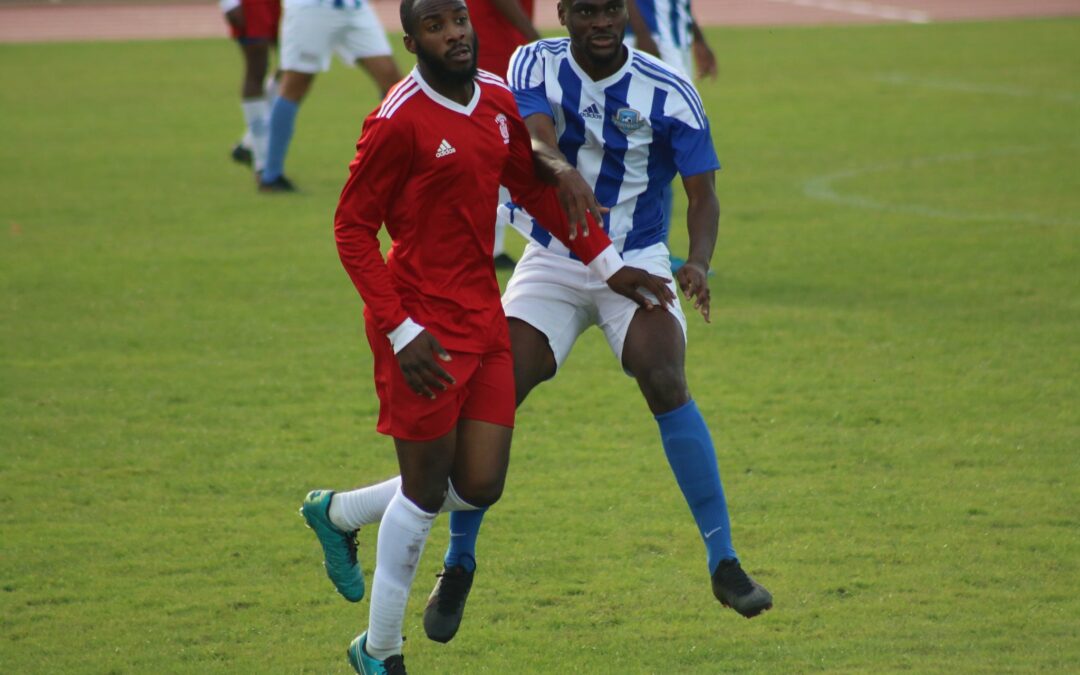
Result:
428,165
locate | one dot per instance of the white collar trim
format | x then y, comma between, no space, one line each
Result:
442,100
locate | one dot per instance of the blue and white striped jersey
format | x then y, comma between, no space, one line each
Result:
629,134
669,21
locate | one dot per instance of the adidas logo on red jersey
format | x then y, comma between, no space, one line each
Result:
444,149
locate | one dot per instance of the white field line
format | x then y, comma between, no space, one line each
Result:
902,79
822,188
859,8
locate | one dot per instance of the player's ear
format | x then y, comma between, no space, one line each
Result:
410,43
562,13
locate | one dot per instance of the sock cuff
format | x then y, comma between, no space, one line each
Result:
688,407
411,507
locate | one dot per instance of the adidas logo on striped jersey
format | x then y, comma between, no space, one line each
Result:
592,112
444,149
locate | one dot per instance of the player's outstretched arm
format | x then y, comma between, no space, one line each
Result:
575,195
703,223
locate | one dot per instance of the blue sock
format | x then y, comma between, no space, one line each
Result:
690,453
282,121
464,526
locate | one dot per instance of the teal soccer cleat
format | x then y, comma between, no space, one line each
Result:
365,664
339,548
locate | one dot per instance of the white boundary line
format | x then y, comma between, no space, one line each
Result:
821,188
860,8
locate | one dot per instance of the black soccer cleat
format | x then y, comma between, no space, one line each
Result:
280,184
446,604
241,155
735,589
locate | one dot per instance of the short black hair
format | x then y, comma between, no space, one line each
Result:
406,16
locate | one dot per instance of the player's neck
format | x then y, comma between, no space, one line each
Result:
599,71
458,92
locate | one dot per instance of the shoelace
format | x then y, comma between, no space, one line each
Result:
455,583
350,541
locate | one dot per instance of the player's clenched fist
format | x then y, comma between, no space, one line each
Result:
421,369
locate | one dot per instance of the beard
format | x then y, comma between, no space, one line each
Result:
441,71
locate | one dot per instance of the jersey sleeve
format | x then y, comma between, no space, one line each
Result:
376,176
690,133
525,76
542,201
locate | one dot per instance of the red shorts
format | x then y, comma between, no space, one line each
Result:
261,19
483,390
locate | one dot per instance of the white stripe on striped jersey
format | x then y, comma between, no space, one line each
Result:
491,78
404,90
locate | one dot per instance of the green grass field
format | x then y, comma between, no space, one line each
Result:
891,377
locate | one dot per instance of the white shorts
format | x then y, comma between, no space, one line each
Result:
311,34
561,298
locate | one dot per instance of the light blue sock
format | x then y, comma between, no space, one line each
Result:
282,121
690,453
464,527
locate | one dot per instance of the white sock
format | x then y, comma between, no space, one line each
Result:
257,116
246,140
353,509
402,535
270,86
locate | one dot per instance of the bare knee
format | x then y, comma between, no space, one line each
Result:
664,387
480,493
427,494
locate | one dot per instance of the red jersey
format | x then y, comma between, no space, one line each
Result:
498,37
430,169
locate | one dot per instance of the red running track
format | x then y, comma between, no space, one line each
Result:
91,22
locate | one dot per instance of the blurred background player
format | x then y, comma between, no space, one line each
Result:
501,27
254,25
667,30
311,32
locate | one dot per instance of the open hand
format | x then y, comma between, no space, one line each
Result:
421,369
628,280
577,199
693,279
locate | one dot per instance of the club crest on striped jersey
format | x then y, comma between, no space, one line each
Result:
504,128
628,120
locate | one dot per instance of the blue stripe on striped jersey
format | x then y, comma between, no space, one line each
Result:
647,9
677,22
650,222
527,59
573,136
613,166
651,70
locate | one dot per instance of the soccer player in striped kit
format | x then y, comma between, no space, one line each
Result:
627,124
311,32
428,165
667,29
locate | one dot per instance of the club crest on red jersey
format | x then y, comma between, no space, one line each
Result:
504,128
